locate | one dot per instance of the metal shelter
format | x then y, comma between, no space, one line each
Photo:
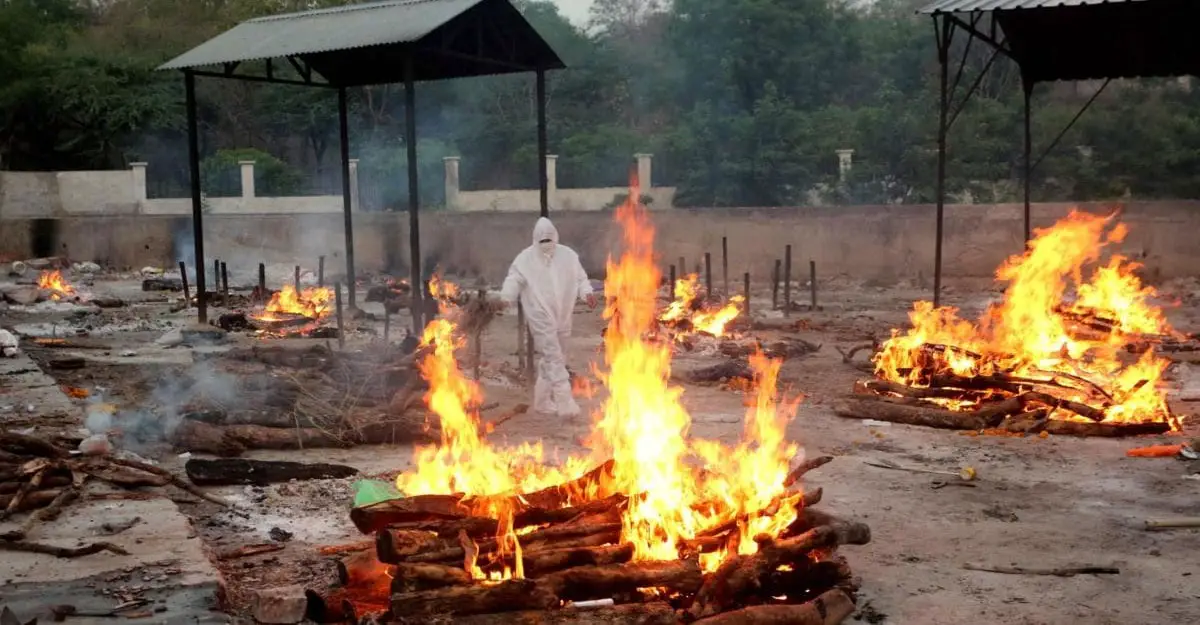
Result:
1054,40
374,43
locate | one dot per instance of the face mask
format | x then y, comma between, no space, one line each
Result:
547,248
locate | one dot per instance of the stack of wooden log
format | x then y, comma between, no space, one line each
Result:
39,475
576,569
1001,402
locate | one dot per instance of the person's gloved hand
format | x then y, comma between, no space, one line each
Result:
591,301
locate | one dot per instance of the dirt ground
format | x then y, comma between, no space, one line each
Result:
1038,502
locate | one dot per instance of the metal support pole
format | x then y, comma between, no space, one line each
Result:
672,283
189,83
787,281
224,284
943,106
775,284
683,269
708,292
812,283
1028,87
543,177
725,264
216,275
321,271
296,279
347,217
746,293
187,294
262,282
414,197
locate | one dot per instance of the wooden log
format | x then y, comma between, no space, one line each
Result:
798,501
394,546
656,613
118,475
260,472
583,488
52,481
414,577
231,440
539,563
1106,430
32,500
553,537
31,445
162,284
600,582
359,568
380,515
720,372
507,596
885,409
803,468
831,608
1051,401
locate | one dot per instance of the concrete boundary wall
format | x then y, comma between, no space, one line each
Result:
885,243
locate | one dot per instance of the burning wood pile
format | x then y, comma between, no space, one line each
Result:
663,529
1059,354
51,286
295,313
692,314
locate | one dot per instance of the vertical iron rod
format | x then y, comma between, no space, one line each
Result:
708,292
321,271
944,105
187,294
812,283
787,281
216,275
262,282
414,196
189,83
543,176
296,278
725,265
672,283
347,217
1028,86
775,284
224,284
337,302
746,293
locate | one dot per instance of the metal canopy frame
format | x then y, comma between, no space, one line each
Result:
1052,40
402,41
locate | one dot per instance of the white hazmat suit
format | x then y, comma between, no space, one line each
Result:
548,279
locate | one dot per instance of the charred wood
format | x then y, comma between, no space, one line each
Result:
260,472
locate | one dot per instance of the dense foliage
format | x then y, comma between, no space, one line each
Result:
742,102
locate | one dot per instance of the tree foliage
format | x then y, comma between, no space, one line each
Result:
742,103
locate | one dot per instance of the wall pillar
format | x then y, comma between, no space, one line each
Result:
354,184
247,178
845,163
552,178
643,170
451,165
139,182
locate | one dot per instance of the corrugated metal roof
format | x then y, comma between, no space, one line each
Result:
969,6
324,30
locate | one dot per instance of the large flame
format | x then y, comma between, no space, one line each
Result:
311,302
676,487
1052,321
54,282
689,313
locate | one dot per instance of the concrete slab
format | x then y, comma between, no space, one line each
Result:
29,396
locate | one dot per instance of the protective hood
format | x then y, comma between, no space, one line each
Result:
543,229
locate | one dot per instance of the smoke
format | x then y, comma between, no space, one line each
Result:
173,395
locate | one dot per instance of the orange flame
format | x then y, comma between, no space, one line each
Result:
311,302
684,310
54,282
677,487
1037,331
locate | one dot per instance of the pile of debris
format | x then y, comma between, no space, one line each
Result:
437,556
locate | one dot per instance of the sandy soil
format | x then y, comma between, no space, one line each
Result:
1037,503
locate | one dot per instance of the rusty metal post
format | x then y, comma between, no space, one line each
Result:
683,272
296,278
812,282
224,283
725,265
337,302
746,292
775,284
708,275
262,282
787,281
216,275
320,271
187,294
672,283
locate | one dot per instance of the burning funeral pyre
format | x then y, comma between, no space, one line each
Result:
666,527
1060,354
292,312
692,313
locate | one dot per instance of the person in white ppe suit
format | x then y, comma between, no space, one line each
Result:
548,278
